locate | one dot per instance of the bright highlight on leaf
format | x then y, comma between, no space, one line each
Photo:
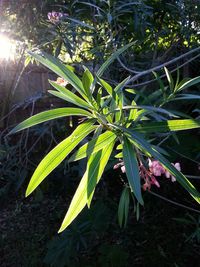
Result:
93,146
58,154
95,167
50,115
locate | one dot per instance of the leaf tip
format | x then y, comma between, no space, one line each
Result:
27,193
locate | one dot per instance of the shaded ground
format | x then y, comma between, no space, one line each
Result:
95,240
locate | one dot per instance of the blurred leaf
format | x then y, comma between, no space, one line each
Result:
170,79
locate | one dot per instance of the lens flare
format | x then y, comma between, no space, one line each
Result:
7,48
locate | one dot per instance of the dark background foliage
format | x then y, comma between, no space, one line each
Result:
165,235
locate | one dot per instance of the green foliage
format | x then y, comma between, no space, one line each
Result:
79,238
113,115
194,224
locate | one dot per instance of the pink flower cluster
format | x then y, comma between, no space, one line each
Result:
55,17
149,175
157,169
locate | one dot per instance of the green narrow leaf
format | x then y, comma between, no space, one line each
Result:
93,146
148,108
177,80
69,96
132,169
126,206
49,115
107,87
137,139
185,97
118,89
162,86
87,81
133,114
166,126
80,23
61,70
119,155
58,154
94,171
99,97
109,61
170,79
184,85
123,207
119,147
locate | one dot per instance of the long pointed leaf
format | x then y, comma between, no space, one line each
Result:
187,84
61,70
58,154
123,207
93,146
87,81
94,171
132,169
109,61
69,96
49,115
137,139
166,126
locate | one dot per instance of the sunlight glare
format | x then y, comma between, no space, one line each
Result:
7,48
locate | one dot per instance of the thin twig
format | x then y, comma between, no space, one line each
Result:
126,68
164,75
173,202
142,73
192,176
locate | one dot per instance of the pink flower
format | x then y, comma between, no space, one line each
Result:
156,168
123,169
155,182
146,185
55,17
148,175
168,175
120,164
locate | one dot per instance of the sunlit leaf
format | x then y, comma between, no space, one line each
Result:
166,126
69,96
50,115
93,146
87,81
61,70
170,79
58,154
188,84
95,167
